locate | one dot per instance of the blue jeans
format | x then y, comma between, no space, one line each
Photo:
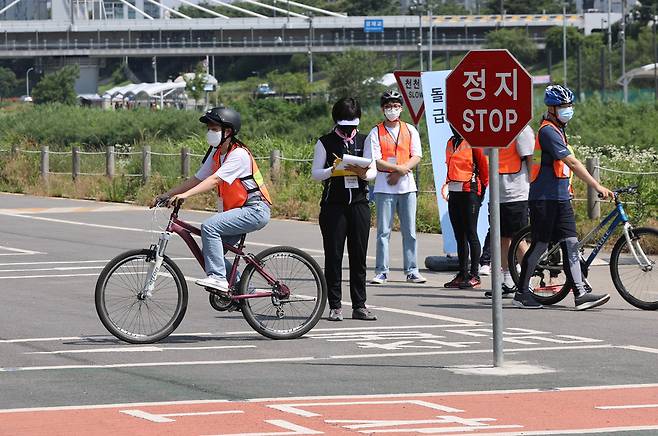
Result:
405,205
230,226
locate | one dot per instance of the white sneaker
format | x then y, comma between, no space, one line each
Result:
214,282
335,315
485,270
379,279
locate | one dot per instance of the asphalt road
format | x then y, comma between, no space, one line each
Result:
55,352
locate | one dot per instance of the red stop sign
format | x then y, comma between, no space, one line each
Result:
489,98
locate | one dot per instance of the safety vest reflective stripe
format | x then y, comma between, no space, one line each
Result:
509,160
460,162
401,149
235,194
560,169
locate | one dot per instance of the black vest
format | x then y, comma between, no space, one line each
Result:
334,187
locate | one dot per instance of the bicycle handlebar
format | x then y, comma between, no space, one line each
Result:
631,189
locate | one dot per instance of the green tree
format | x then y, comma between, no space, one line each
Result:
355,73
447,7
8,82
516,41
370,7
530,6
554,39
194,85
58,87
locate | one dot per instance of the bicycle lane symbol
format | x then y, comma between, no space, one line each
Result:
394,416
450,339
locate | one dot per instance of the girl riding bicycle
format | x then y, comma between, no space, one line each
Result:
230,167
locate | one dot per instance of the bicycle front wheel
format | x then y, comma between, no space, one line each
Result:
128,313
633,268
548,283
295,315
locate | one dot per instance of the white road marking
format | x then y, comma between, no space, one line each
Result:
67,262
465,322
286,359
143,349
58,268
295,430
83,338
166,417
333,397
630,406
637,348
47,210
296,410
17,251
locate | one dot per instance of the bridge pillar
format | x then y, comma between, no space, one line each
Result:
87,83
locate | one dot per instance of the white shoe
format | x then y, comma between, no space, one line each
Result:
214,282
485,270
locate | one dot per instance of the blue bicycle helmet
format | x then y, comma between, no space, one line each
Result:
557,95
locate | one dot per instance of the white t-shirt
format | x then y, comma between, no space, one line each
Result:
237,165
515,187
406,183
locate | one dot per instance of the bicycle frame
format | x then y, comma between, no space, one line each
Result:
616,217
185,231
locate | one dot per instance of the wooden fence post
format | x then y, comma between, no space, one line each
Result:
146,163
593,204
109,161
75,167
14,151
185,162
275,164
44,167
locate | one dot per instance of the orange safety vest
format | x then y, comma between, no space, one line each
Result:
461,167
509,161
560,169
235,194
401,149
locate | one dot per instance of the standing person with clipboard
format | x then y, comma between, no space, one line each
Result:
344,210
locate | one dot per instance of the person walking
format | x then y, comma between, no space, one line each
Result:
396,149
344,209
466,182
513,172
551,214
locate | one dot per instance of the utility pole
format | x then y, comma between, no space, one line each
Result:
564,40
310,49
623,49
420,34
429,43
655,56
154,62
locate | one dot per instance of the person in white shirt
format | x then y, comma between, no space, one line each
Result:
230,168
396,148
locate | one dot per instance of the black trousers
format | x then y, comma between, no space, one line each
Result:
463,209
340,222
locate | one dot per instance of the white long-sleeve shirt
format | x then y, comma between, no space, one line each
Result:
319,172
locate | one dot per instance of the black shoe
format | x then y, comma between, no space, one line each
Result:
470,282
507,292
525,300
588,300
363,314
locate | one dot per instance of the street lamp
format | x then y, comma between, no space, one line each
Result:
27,81
417,7
310,48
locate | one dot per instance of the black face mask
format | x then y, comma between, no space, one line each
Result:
346,130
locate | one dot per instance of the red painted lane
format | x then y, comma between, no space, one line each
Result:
506,412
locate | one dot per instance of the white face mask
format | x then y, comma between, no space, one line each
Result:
392,114
214,138
565,114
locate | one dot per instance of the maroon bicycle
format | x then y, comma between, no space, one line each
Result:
141,295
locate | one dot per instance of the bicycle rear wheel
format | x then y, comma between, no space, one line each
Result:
295,315
126,312
548,283
637,281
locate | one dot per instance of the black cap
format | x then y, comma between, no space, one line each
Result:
224,117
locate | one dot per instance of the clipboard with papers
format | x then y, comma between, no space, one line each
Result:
348,159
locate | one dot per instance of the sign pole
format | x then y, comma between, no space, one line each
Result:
494,243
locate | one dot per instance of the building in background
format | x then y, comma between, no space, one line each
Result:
26,10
